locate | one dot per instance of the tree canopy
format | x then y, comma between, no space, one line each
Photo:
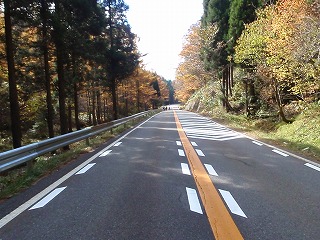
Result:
72,63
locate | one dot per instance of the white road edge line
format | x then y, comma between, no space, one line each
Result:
36,198
193,200
280,153
211,170
312,166
185,169
117,144
257,143
85,169
178,143
232,204
200,153
105,153
48,198
181,153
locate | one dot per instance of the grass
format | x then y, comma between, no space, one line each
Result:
21,178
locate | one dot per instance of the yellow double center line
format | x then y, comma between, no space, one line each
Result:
220,220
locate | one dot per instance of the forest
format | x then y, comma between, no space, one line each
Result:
65,65
253,57
68,64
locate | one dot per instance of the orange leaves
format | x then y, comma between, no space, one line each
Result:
191,73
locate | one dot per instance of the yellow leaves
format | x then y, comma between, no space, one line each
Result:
272,39
191,73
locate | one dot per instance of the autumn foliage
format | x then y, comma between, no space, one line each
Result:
73,64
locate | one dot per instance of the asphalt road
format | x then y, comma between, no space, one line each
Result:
141,186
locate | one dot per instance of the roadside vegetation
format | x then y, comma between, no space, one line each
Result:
65,65
255,66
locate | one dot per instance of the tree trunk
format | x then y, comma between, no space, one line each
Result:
247,97
105,110
223,89
226,79
89,108
76,105
75,92
50,111
69,117
226,89
279,102
94,117
114,99
99,108
13,92
230,78
138,95
60,70
126,104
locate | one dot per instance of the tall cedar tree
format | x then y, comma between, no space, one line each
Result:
45,51
85,23
216,12
13,92
32,38
59,39
241,12
122,58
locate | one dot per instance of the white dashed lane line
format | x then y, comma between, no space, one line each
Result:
86,168
185,169
280,153
181,153
193,200
257,143
200,153
231,203
194,144
47,198
105,153
312,166
211,170
117,144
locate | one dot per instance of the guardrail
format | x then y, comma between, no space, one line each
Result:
15,157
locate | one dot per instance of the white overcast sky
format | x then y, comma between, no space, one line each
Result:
161,26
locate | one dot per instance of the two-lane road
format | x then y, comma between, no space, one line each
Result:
145,186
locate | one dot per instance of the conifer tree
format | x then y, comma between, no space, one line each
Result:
121,57
241,12
13,92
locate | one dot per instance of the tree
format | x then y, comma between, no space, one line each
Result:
171,92
45,42
241,12
216,12
269,45
191,73
59,39
13,92
121,57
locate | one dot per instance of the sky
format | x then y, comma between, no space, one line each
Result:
161,26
